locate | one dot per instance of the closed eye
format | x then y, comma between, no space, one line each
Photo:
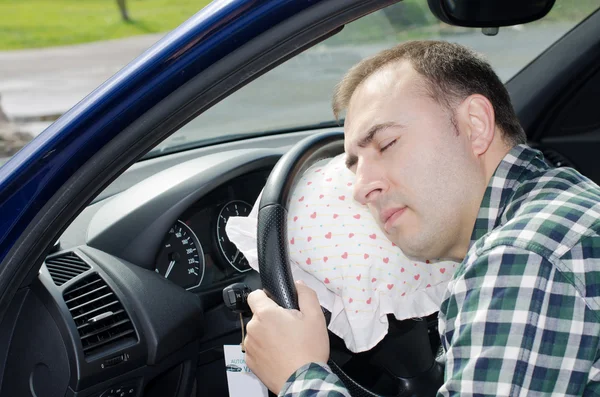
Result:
389,145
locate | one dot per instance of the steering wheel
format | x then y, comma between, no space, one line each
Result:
424,375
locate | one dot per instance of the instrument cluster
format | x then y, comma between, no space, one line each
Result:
195,252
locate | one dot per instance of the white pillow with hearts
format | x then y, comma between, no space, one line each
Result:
337,248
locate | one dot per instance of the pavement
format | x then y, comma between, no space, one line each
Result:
36,86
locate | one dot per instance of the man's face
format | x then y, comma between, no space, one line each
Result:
415,169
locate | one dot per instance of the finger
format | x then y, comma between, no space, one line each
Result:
248,346
251,327
308,300
258,301
249,358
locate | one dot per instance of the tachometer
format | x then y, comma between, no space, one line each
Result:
227,248
181,258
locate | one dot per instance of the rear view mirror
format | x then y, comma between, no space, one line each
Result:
489,13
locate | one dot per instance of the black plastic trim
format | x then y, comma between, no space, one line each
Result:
537,87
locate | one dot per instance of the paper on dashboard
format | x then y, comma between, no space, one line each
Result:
240,379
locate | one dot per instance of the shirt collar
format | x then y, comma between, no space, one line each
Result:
505,180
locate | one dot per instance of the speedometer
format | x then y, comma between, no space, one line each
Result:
181,258
235,258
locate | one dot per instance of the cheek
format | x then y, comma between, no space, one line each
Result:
411,169
428,176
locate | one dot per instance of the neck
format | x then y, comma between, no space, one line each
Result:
492,158
488,163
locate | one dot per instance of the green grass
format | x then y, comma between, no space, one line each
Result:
45,23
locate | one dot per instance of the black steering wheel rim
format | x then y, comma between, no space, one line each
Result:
273,255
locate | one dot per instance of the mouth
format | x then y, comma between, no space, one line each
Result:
389,216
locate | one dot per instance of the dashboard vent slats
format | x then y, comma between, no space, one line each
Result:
64,267
99,316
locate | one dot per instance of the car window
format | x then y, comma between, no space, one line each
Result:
297,94
294,96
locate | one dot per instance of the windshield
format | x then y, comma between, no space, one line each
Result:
297,94
38,85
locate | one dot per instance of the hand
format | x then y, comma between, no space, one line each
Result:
279,341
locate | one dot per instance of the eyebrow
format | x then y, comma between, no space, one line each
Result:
352,159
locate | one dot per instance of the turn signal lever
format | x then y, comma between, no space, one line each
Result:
235,297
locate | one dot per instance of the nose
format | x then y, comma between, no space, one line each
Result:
370,182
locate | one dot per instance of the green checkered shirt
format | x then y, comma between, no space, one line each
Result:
521,315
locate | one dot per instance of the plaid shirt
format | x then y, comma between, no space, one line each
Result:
521,315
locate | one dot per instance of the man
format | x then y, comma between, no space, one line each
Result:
441,162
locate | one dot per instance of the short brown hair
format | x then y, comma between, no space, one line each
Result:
452,72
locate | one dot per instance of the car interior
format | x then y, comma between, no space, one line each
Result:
129,299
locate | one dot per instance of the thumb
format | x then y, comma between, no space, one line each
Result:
308,300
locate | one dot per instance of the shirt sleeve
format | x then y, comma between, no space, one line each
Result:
314,380
516,325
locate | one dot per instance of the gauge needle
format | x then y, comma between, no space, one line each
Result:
236,255
171,264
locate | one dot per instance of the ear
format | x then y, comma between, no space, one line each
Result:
480,121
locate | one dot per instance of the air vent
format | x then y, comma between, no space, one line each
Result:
63,268
101,320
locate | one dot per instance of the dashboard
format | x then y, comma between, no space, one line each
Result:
133,289
129,301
